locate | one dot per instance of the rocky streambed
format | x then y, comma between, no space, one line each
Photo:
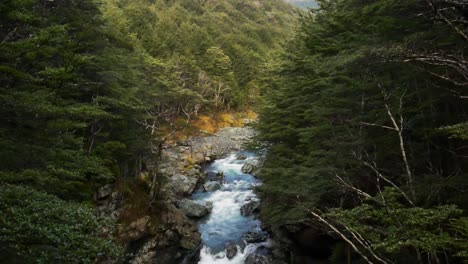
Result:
230,232
206,212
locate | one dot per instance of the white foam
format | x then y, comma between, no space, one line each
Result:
206,257
225,218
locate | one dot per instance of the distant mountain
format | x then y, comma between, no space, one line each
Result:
303,3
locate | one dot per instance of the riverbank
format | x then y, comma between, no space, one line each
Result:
162,232
231,232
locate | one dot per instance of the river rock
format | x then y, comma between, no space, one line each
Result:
256,259
209,206
193,209
169,241
231,250
255,237
212,186
250,207
250,166
241,157
220,176
238,138
181,184
170,234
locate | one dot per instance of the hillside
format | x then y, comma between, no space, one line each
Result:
365,125
233,131
93,90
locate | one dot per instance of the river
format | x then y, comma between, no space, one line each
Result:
225,224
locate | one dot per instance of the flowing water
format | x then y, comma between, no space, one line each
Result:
225,224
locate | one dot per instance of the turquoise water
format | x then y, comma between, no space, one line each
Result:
225,224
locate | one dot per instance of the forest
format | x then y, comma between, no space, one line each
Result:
365,126
91,88
362,120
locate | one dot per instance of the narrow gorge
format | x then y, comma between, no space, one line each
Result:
210,209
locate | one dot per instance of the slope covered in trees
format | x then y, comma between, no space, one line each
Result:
210,50
365,125
90,88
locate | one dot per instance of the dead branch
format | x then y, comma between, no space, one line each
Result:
381,176
359,239
439,14
350,186
8,36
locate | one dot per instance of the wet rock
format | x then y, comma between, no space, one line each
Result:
231,250
173,236
209,205
256,259
220,176
241,157
255,237
193,209
250,208
211,186
250,166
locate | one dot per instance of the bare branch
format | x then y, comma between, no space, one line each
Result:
8,36
359,239
431,5
376,125
399,129
350,186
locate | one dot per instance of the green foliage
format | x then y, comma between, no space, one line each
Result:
212,48
395,228
88,87
40,228
326,114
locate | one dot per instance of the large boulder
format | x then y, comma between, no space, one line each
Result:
182,185
250,166
231,250
212,186
193,209
169,241
250,207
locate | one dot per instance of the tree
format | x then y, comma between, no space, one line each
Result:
41,228
348,113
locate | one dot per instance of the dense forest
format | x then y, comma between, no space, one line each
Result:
365,126
362,122
90,89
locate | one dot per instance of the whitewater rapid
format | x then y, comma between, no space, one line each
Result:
225,224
